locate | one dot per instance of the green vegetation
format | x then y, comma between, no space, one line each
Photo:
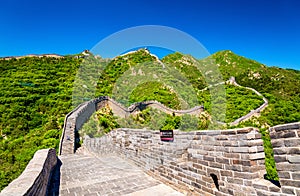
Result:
150,91
116,68
269,156
35,96
280,86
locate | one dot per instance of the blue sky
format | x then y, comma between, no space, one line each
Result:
266,31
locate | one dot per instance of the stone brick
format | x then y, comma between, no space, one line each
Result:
201,162
207,179
292,142
208,148
230,143
280,158
256,149
209,158
277,143
296,176
246,130
274,188
251,136
286,150
192,179
224,190
284,174
247,182
185,180
230,180
194,184
283,134
215,154
288,190
226,173
216,165
262,193
201,182
245,175
297,191
222,160
279,151
258,142
240,193
238,181
232,155
287,167
294,159
218,193
208,190
197,166
293,151
221,137
220,148
201,172
261,186
240,149
249,190
233,167
243,143
178,178
257,156
293,183
181,175
228,132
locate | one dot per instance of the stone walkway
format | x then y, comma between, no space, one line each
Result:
109,175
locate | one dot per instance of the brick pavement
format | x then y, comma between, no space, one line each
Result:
108,175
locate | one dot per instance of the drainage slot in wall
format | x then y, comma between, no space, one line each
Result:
215,179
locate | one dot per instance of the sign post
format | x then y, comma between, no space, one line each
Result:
166,135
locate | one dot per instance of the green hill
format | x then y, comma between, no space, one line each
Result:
280,86
36,94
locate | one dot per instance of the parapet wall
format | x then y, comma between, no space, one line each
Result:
203,162
35,178
286,145
226,162
75,119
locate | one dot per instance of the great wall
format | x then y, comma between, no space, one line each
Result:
212,162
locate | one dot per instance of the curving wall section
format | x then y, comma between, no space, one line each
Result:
75,119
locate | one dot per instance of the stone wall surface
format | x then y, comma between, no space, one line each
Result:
219,162
35,178
222,162
286,145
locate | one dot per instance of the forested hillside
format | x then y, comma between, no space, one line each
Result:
280,86
35,96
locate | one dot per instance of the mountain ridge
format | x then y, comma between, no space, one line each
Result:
36,94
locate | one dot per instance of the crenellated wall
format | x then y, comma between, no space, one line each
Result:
222,162
35,178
